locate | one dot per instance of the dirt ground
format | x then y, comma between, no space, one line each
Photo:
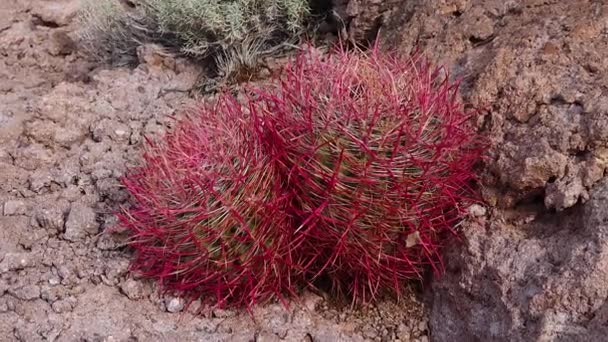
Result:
68,130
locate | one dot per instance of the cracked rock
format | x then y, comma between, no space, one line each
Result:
27,292
15,207
81,222
16,261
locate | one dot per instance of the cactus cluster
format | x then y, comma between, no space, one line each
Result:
353,167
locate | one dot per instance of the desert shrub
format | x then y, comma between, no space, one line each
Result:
209,218
354,168
201,29
105,32
379,155
204,26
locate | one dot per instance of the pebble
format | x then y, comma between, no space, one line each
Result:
15,261
27,292
133,290
477,210
14,207
174,304
50,219
81,221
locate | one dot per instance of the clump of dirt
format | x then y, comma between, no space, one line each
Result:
68,131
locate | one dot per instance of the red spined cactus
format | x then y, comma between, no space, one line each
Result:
353,167
379,157
208,218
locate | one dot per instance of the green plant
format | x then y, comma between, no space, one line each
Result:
106,33
240,30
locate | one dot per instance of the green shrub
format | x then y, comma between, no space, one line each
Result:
201,29
105,32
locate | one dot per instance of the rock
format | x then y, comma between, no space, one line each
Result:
477,210
267,337
155,56
550,284
223,313
82,221
15,207
16,261
548,109
174,304
51,218
134,290
363,18
27,292
56,13
61,43
63,306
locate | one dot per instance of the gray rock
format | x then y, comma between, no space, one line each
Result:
58,13
133,289
27,292
174,304
15,207
80,223
550,284
51,218
62,306
16,261
267,337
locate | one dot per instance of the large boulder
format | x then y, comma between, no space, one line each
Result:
546,280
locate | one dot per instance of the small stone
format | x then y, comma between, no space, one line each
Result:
477,210
422,326
14,207
221,313
132,289
62,306
267,337
82,221
59,13
64,272
27,292
54,281
61,44
174,304
50,219
412,239
15,261
311,301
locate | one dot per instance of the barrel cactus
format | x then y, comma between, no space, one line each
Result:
379,155
351,167
208,219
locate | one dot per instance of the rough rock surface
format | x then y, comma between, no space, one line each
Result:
536,67
546,280
68,130
535,268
